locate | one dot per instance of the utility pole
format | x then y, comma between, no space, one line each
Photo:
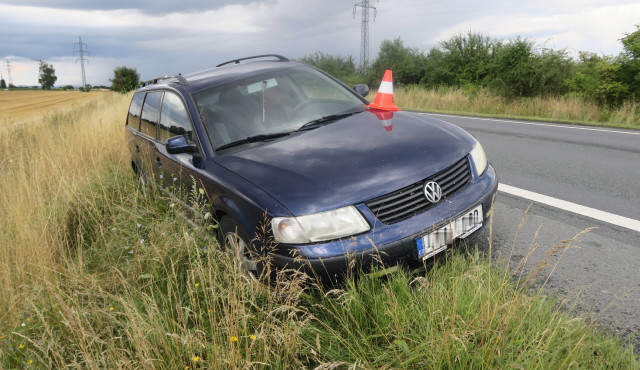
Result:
364,32
10,81
81,58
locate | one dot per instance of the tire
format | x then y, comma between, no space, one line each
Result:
234,240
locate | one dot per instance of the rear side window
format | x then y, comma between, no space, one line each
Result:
151,113
174,119
133,119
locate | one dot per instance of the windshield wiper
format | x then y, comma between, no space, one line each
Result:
253,139
327,119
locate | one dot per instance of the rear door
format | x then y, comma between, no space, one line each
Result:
133,129
177,171
147,143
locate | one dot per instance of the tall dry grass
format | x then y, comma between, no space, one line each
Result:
481,101
45,162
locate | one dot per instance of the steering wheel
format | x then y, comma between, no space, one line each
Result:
301,105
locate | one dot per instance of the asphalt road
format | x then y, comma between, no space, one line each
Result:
597,170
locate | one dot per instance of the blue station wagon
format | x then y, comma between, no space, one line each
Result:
302,171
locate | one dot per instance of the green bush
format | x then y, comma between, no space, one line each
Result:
125,79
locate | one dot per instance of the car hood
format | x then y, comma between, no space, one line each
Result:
350,161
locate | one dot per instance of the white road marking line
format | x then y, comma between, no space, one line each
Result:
540,124
611,218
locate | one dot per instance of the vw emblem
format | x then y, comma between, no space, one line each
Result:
432,191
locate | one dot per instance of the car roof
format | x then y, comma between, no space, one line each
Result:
223,73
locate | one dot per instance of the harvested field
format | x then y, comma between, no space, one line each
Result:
21,105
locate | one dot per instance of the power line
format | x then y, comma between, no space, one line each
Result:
364,32
81,53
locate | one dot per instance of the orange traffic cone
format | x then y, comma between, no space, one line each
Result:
384,98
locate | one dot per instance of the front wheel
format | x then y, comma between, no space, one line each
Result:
235,242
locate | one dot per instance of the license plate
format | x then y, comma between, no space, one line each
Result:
437,241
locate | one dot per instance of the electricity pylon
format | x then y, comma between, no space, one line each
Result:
364,32
81,58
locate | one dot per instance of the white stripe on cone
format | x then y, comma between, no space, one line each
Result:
386,87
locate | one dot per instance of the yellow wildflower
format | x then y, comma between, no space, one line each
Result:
197,285
111,308
253,337
233,339
195,358
21,346
30,362
201,190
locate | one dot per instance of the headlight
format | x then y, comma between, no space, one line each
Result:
317,227
479,158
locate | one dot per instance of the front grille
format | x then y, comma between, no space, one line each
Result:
408,201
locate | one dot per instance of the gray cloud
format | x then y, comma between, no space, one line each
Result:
146,6
162,37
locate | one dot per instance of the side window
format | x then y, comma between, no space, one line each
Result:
151,113
174,119
133,119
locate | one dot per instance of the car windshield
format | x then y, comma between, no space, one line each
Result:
272,103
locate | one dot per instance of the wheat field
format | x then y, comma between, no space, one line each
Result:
21,105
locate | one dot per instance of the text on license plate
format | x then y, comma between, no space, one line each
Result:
437,241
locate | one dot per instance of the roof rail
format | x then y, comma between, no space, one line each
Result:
179,77
237,61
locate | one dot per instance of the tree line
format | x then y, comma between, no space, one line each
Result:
517,68
125,79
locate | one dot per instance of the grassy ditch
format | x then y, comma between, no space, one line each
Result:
93,274
481,102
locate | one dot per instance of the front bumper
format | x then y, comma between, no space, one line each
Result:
387,245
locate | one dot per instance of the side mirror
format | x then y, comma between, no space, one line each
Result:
362,89
179,144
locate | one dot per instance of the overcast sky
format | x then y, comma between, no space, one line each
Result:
159,37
